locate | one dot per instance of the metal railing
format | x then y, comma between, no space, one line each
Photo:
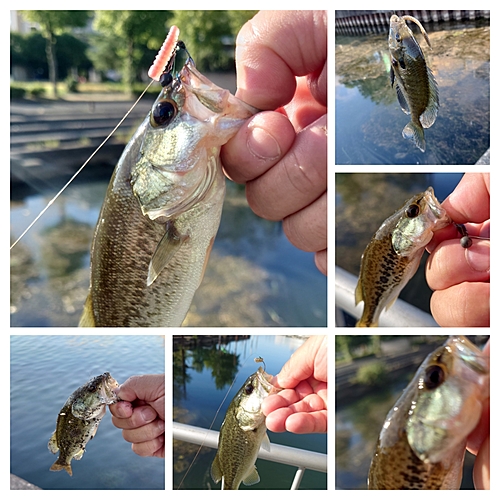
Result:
400,314
302,459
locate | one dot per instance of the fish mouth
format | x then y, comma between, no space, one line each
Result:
109,386
266,380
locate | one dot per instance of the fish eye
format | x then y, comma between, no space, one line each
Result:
398,37
434,377
412,211
163,112
248,389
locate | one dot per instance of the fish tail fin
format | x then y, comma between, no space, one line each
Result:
415,132
57,466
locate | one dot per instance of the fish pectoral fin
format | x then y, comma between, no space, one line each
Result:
252,477
402,100
359,293
266,444
87,319
215,470
79,455
52,445
168,246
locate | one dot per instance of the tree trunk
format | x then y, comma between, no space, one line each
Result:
50,49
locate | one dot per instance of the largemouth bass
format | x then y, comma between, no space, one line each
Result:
416,87
79,419
393,255
163,205
242,433
422,443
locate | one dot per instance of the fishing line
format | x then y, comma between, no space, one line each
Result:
82,167
257,360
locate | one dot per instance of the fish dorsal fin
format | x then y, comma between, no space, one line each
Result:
266,444
428,117
167,247
252,477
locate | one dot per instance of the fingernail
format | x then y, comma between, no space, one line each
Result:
148,414
262,144
478,256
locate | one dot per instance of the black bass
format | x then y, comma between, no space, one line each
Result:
416,87
79,419
393,255
163,205
242,433
422,443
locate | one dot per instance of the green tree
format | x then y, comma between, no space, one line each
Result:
209,35
123,38
52,23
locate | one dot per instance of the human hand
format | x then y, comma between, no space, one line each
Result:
281,156
461,277
478,443
141,414
301,407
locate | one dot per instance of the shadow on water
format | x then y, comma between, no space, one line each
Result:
369,120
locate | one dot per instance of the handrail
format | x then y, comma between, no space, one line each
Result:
400,314
302,459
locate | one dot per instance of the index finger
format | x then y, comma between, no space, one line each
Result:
276,46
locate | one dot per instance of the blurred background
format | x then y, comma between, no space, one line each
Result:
74,74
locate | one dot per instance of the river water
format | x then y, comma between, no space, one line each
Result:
369,120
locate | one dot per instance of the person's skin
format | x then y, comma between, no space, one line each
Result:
478,443
301,407
141,414
460,277
281,156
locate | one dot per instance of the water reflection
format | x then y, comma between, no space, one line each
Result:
369,120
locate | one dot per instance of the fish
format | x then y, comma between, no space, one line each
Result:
79,418
422,442
416,87
163,204
242,433
393,255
